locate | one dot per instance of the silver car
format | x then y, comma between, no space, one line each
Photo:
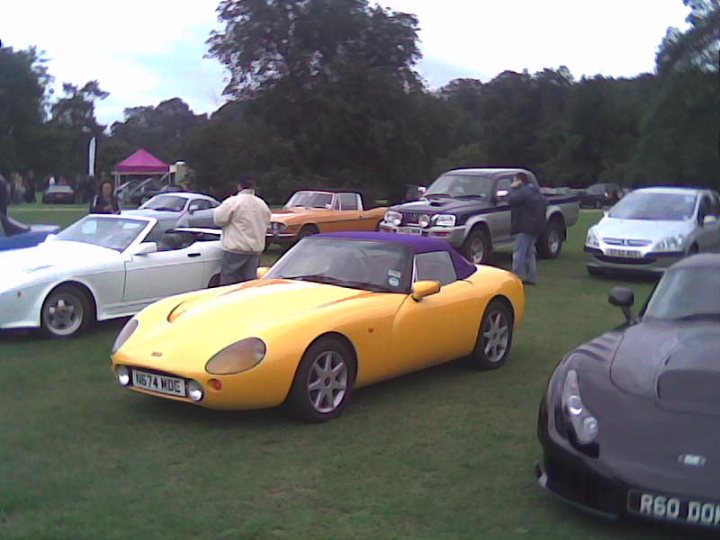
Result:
651,228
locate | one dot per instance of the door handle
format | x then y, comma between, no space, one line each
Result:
193,255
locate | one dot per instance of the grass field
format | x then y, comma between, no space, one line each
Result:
443,454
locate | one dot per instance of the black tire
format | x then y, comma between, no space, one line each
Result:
550,243
694,250
330,391
66,312
477,248
494,339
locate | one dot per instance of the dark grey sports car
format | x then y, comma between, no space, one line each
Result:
630,422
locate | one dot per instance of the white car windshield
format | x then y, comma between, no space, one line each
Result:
687,294
366,265
111,233
310,199
461,185
655,206
168,203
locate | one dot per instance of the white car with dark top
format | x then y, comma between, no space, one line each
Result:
102,267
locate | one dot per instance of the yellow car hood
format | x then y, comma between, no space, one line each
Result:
196,328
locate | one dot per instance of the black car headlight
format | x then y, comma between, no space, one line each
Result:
584,424
444,220
127,331
238,357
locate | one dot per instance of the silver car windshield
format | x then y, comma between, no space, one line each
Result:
168,203
111,233
461,185
686,294
365,265
655,206
310,199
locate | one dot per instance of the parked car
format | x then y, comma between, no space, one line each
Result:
176,208
15,235
652,228
465,208
122,192
59,194
321,323
147,189
102,267
629,421
600,195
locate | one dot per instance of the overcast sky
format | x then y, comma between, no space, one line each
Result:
145,51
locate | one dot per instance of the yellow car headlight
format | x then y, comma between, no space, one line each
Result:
238,357
127,331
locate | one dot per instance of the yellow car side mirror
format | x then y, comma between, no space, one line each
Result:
262,271
421,289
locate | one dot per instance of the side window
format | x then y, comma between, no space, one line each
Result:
705,208
435,266
503,184
715,205
199,204
348,201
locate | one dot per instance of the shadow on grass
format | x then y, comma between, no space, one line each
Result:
34,335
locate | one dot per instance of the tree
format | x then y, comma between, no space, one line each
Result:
23,83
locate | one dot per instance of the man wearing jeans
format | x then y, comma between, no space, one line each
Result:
528,207
244,219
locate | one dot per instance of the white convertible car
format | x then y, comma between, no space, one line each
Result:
102,267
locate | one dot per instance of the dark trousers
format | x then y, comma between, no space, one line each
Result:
238,267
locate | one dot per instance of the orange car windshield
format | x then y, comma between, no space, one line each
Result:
310,199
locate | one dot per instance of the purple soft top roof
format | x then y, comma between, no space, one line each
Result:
418,244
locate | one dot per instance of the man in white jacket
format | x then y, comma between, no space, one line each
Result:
244,219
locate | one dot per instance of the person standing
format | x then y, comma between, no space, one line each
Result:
528,207
105,201
244,219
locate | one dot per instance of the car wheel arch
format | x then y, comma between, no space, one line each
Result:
335,335
506,301
559,218
78,285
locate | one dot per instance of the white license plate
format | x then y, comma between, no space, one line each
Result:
627,253
411,230
159,383
670,508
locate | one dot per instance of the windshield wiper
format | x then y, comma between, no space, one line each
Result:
316,278
164,209
428,195
470,196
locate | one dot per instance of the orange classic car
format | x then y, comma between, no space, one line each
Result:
312,212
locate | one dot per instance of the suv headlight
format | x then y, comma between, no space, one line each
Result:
671,243
591,239
584,424
444,220
392,217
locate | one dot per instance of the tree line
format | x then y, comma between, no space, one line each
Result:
325,93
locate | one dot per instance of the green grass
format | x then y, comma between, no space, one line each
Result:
443,454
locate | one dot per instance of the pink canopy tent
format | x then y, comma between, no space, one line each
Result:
142,162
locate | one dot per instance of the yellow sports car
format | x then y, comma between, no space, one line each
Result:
338,311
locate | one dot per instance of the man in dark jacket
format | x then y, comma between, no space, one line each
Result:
528,207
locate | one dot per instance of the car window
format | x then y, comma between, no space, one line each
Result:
348,201
435,266
199,204
504,184
704,209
